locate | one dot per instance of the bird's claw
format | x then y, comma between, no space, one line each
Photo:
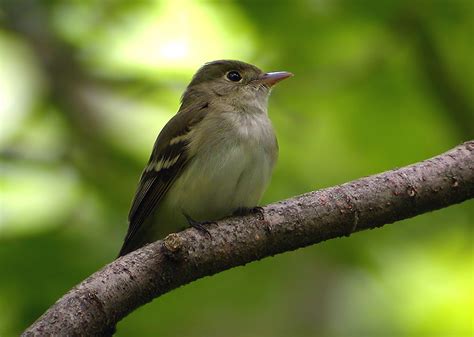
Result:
199,225
241,211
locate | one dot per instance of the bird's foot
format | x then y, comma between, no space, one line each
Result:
199,225
241,211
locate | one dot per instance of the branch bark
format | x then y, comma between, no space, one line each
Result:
93,307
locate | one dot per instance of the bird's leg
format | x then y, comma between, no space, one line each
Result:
241,211
199,225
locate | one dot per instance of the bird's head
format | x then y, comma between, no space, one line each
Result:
232,82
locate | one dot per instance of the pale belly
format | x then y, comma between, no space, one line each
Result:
215,184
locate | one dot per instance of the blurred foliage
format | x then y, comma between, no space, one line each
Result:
85,86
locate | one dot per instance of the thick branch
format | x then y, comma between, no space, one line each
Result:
94,306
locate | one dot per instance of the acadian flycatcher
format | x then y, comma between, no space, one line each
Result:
213,158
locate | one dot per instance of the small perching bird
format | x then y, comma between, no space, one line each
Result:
213,158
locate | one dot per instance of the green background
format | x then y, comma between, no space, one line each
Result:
85,86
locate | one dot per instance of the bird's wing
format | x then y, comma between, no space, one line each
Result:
168,159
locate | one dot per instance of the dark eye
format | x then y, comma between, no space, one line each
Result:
234,76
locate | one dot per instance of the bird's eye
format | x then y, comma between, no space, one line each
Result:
234,76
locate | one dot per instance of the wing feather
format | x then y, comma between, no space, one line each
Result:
168,159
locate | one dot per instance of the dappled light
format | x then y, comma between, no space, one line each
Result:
85,87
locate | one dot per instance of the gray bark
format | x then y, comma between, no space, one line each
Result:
94,306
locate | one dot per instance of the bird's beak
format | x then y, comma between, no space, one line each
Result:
273,78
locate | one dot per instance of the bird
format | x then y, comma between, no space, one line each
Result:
214,158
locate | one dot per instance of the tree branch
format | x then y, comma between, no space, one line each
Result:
94,306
